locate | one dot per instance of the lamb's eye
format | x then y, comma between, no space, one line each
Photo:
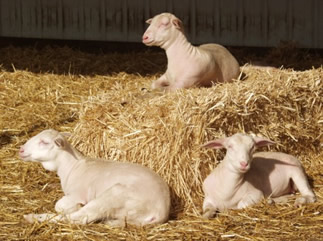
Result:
163,25
42,142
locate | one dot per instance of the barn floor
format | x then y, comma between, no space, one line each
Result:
68,88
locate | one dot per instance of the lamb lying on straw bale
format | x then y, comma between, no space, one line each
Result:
244,178
188,65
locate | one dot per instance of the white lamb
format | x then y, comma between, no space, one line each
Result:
97,190
188,65
244,178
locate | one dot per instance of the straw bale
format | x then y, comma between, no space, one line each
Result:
165,131
105,101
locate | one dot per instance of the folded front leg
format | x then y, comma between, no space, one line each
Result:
68,204
250,199
50,217
160,83
209,209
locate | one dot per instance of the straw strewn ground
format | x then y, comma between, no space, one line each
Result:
104,100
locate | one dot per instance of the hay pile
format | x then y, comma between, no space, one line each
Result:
105,101
165,131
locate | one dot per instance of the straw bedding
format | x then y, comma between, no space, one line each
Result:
105,101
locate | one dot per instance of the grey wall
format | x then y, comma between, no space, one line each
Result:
229,22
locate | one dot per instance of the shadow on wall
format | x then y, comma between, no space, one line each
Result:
104,58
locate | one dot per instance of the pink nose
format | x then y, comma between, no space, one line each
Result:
21,150
243,164
145,37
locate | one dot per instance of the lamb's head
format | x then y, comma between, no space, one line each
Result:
43,148
163,29
240,149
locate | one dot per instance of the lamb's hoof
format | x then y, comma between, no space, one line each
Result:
303,200
29,218
282,199
116,223
209,213
153,86
32,218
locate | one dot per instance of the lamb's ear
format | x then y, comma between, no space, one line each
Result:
215,144
149,21
66,134
177,23
261,141
60,142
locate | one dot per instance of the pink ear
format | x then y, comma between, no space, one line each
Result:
66,134
149,21
177,23
215,144
260,141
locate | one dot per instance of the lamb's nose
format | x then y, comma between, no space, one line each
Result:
145,37
21,150
243,164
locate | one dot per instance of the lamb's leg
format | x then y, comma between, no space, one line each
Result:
281,199
209,210
112,204
250,199
160,83
300,181
104,206
180,84
67,205
116,222
31,218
